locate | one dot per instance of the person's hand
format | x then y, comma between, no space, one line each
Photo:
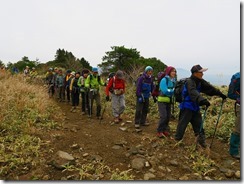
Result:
107,98
223,96
204,102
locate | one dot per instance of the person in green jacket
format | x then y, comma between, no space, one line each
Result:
93,83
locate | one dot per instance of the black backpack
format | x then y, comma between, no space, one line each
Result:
179,86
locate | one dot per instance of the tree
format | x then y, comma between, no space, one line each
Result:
85,63
119,58
128,60
67,60
155,63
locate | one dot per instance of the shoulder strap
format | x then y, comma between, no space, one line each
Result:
113,81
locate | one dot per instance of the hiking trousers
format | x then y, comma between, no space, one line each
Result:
164,114
235,135
118,104
61,93
195,118
85,101
142,109
94,95
75,95
68,93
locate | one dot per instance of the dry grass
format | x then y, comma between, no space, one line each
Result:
24,108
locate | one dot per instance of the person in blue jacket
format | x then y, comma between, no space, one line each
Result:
143,92
166,91
190,106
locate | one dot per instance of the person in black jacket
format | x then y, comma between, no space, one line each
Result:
192,99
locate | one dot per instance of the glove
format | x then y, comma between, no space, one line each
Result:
107,98
105,84
223,96
204,102
155,99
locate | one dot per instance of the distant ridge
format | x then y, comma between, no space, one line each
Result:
214,79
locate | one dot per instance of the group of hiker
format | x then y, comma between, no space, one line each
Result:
87,85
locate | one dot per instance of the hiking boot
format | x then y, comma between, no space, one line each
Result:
166,134
137,126
99,117
146,124
236,156
116,120
72,109
202,144
120,119
160,134
163,134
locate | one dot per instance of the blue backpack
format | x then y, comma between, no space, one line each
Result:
234,87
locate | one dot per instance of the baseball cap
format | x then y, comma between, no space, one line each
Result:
198,68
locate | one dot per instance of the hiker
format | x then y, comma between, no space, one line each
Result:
75,91
84,91
234,94
192,99
66,84
93,82
143,92
166,91
26,71
59,83
33,73
116,86
56,72
50,82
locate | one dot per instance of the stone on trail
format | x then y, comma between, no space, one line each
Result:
149,176
138,163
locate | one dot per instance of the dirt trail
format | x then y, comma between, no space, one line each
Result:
168,160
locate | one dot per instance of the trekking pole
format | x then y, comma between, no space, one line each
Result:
90,96
201,125
105,105
217,123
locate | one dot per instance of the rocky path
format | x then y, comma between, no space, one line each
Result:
83,144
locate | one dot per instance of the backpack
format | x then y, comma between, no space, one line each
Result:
234,87
155,91
110,77
179,86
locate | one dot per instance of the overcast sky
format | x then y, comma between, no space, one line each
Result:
180,33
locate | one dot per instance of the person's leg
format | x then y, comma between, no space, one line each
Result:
83,98
115,105
184,119
98,103
121,105
145,110
138,113
235,136
162,117
197,125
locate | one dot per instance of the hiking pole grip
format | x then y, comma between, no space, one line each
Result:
217,122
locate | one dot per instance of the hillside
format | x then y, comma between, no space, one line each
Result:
69,146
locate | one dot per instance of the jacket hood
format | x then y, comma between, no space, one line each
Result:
169,69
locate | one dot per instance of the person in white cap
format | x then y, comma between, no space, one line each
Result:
192,100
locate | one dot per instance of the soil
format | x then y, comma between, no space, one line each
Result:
95,137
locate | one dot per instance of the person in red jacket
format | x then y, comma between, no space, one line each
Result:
116,87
